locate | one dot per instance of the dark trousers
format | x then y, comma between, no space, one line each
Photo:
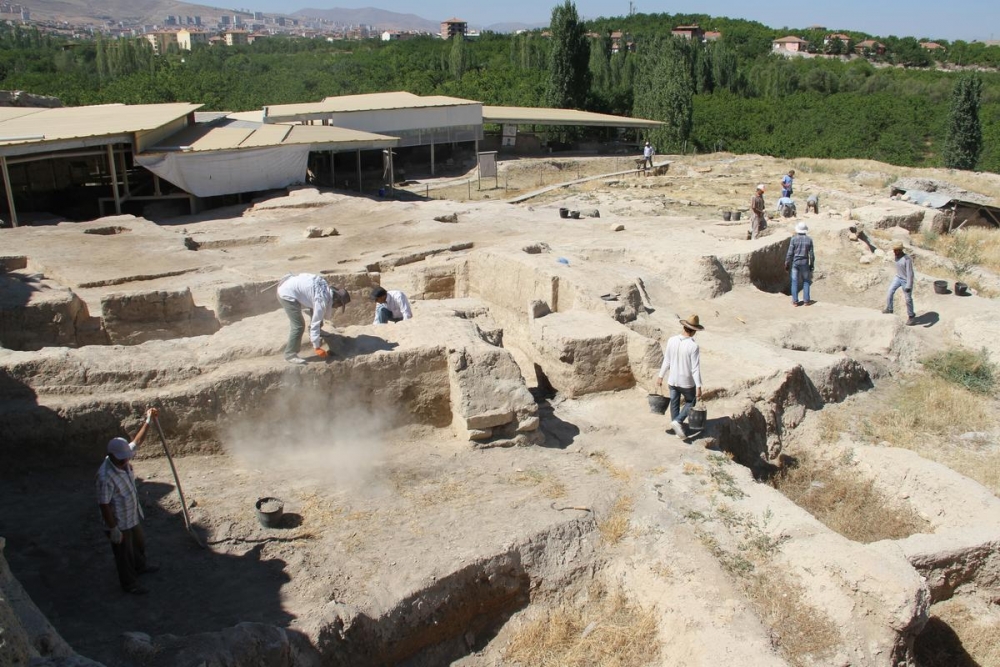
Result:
677,413
384,315
130,556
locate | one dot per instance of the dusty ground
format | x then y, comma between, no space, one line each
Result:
383,519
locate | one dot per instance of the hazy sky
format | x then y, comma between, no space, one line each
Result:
954,19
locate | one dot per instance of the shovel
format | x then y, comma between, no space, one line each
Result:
177,483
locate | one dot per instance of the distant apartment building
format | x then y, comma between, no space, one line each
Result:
258,16
170,21
186,39
225,19
688,32
280,21
237,20
161,40
25,14
790,44
234,37
453,27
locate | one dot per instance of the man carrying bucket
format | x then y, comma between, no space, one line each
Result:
682,359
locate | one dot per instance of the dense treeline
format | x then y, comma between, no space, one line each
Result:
730,94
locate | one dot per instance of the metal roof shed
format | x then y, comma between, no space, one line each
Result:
32,134
544,116
414,120
233,156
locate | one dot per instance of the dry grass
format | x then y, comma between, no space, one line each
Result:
615,525
549,486
846,503
976,627
615,471
608,630
803,635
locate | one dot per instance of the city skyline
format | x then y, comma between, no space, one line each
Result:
964,19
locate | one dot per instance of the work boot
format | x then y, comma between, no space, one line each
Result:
910,321
886,311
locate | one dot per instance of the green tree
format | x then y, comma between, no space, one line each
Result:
665,90
458,57
569,74
964,142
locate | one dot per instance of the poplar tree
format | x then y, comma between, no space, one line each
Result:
964,142
569,74
664,91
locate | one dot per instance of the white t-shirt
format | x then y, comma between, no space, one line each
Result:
682,358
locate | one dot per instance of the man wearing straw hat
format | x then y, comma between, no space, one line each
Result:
682,359
904,279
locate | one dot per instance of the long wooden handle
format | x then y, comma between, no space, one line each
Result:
177,482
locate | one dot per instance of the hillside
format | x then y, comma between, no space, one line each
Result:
372,16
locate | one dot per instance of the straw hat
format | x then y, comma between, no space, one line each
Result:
692,322
897,245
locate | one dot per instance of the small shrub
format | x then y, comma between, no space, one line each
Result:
964,253
971,370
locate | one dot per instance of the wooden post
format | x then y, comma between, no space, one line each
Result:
10,191
114,179
359,173
156,185
432,158
125,174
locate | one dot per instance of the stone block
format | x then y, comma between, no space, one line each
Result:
136,317
582,352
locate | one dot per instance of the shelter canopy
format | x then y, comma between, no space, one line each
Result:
543,116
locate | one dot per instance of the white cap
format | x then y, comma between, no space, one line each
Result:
760,186
118,447
801,228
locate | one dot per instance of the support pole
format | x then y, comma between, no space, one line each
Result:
392,172
125,175
359,173
333,175
156,185
10,191
114,179
432,158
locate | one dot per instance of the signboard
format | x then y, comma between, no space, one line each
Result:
509,130
488,164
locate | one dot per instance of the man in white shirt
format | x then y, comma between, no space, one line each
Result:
682,359
121,512
647,155
390,306
312,292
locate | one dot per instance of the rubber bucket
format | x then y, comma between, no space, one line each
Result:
697,418
564,213
727,215
940,286
736,215
961,289
270,516
658,404
575,215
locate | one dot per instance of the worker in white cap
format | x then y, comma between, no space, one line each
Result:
647,155
800,260
121,512
757,221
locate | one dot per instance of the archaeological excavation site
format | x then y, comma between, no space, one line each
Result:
486,484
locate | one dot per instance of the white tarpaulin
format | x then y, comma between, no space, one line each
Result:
212,173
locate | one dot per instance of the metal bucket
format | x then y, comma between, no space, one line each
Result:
658,404
272,517
697,418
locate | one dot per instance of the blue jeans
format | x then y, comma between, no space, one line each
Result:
805,273
898,282
384,315
677,413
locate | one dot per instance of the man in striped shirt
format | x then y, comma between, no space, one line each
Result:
121,512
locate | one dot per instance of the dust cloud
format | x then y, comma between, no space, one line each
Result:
325,435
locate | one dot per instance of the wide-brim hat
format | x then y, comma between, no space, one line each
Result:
897,245
692,322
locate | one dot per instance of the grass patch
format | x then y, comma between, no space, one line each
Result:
847,504
965,368
961,628
549,486
615,525
608,630
615,471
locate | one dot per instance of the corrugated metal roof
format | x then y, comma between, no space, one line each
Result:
370,102
541,116
65,123
237,136
933,199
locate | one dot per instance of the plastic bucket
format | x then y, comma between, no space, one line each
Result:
658,404
564,213
736,215
940,286
727,215
270,515
961,289
697,417
575,215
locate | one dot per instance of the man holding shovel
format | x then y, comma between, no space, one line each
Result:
121,512
682,359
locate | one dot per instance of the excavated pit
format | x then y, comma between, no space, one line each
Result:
416,533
